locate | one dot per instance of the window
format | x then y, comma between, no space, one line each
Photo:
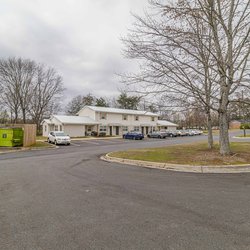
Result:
124,117
45,128
61,128
137,118
56,127
103,116
152,119
103,128
136,128
125,128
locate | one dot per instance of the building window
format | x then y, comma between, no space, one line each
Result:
45,128
124,117
103,128
56,127
61,128
137,118
136,128
103,116
125,128
152,119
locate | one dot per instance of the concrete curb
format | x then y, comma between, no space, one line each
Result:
96,138
230,169
27,149
243,138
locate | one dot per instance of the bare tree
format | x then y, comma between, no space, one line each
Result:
193,50
28,90
47,89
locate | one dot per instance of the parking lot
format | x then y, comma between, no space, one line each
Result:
67,198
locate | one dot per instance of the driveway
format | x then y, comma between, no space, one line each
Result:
67,198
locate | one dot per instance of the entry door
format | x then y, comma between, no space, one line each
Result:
146,130
117,130
110,130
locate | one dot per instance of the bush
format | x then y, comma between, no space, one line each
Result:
93,133
245,125
102,134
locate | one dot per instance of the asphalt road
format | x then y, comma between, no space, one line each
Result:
67,198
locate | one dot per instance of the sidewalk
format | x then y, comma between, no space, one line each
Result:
181,168
88,138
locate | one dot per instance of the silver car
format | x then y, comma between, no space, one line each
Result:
58,137
157,134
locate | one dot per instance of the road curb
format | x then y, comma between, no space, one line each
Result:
230,169
27,149
243,138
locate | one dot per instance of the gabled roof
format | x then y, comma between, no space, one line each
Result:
48,121
166,123
121,111
66,119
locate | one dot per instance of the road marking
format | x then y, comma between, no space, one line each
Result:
75,144
91,142
113,142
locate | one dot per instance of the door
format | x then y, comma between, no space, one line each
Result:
146,130
142,130
110,130
117,130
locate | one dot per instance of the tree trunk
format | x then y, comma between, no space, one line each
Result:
210,132
24,116
224,137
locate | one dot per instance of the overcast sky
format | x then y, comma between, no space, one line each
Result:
79,38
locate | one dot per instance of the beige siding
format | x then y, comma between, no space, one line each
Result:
116,120
74,130
86,111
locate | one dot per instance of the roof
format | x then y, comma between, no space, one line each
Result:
48,121
166,123
121,111
66,119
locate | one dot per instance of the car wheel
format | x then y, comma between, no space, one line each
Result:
171,135
55,142
48,140
68,144
134,138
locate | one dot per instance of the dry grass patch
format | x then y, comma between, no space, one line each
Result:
193,154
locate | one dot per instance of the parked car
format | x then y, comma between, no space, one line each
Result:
58,137
181,132
169,133
157,134
133,135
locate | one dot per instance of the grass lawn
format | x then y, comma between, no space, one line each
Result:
244,136
41,138
40,144
192,154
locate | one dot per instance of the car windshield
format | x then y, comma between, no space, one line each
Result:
60,134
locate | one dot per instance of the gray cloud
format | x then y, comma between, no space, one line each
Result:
79,38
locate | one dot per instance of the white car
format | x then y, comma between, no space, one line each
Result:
58,137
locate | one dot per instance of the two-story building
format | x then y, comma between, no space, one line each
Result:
111,121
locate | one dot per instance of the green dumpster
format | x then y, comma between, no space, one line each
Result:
11,137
